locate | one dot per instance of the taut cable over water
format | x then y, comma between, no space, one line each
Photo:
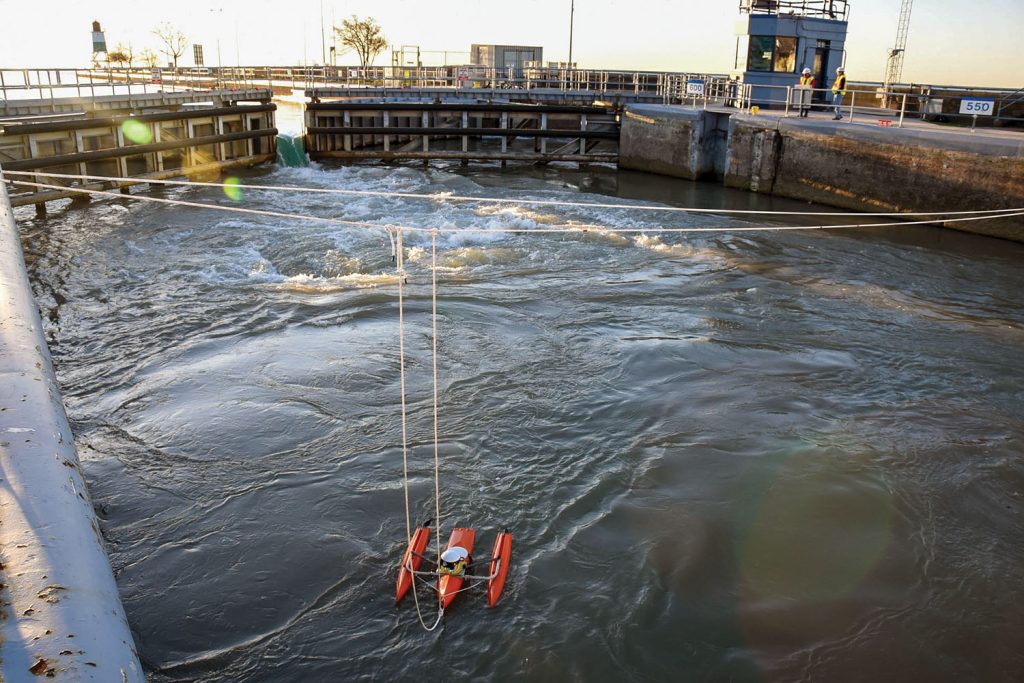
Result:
986,214
442,197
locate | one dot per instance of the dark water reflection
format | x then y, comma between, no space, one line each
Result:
772,456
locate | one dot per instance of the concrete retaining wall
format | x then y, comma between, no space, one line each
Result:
858,167
675,141
62,616
879,169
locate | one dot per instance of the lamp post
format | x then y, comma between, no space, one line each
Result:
572,12
220,65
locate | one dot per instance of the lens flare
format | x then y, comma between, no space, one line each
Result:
817,527
137,132
232,189
817,532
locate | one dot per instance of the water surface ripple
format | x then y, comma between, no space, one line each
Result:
771,456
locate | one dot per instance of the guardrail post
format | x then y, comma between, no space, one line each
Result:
903,110
853,99
789,96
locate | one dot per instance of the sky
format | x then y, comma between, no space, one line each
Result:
951,42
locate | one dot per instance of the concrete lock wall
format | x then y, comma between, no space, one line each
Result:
868,169
676,141
62,616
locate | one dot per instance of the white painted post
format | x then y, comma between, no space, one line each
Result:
853,99
386,123
465,125
346,121
218,129
122,162
159,166
425,122
543,140
903,110
583,140
61,614
504,124
79,148
191,155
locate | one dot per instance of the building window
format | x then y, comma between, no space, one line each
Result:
759,58
772,53
785,55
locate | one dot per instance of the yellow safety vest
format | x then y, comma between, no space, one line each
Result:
807,80
840,85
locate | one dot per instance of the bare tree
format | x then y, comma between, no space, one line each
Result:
173,39
126,52
117,57
150,58
363,36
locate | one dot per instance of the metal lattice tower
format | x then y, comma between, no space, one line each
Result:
894,67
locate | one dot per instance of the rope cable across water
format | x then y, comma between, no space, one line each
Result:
441,197
988,214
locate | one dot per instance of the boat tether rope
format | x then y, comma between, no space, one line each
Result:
941,217
398,251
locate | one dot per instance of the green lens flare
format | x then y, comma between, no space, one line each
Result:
137,132
232,189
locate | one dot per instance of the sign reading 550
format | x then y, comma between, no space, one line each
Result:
978,106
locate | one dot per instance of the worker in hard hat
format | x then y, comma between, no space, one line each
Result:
454,561
806,81
838,92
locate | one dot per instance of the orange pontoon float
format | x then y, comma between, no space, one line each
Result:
453,567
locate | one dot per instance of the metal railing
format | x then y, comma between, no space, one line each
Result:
888,107
822,9
48,84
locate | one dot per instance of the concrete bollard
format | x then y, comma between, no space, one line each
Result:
62,616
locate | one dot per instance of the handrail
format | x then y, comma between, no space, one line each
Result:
857,102
822,9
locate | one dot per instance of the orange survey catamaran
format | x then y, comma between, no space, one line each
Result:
453,567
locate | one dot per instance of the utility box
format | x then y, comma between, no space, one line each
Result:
778,39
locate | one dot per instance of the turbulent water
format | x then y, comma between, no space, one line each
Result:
722,456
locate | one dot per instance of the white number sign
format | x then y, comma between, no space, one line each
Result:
694,87
977,106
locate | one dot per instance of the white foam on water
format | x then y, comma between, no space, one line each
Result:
305,283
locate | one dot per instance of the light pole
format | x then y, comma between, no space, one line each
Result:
220,65
572,13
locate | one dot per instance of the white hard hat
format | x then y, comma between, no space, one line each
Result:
806,71
454,554
840,70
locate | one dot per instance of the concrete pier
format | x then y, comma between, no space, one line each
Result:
874,168
684,142
859,166
62,616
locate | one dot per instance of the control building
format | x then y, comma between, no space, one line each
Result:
777,39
